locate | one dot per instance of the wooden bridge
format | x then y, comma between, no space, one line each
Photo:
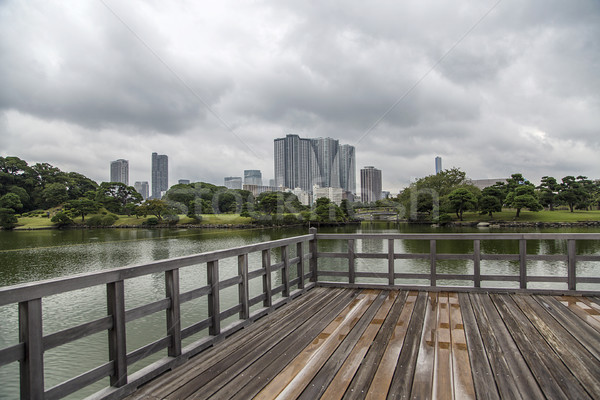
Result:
366,334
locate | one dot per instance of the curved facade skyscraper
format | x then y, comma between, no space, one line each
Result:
160,175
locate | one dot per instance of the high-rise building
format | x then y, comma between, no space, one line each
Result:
142,188
160,175
119,171
233,182
302,163
370,184
252,177
438,165
183,181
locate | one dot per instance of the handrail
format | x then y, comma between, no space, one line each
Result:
310,270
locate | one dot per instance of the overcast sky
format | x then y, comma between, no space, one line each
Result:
493,87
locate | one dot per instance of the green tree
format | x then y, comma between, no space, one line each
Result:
523,196
62,219
82,207
571,192
489,204
8,219
155,207
12,201
115,196
54,194
548,190
460,200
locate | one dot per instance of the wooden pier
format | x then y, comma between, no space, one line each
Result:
322,329
356,344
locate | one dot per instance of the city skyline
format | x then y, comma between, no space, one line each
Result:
494,88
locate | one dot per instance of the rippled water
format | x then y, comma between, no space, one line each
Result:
37,255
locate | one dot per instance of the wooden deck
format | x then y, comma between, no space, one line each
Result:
350,343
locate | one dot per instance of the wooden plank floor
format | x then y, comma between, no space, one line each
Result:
356,344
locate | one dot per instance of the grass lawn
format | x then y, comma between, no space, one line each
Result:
34,223
530,216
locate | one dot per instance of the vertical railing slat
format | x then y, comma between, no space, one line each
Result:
300,254
243,286
432,263
572,266
173,312
30,333
523,263
351,262
214,306
313,248
266,265
117,338
285,271
391,262
477,263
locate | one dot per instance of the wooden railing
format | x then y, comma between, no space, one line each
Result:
309,268
29,352
390,277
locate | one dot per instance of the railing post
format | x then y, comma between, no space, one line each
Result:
523,263
30,334
214,307
313,248
285,271
351,263
572,266
243,286
432,262
173,312
300,253
266,266
477,263
391,280
117,339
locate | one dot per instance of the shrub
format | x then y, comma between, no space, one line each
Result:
101,220
151,221
62,219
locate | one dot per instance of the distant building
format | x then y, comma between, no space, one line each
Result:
385,194
183,181
119,171
256,190
233,182
336,195
370,184
253,177
272,182
438,165
160,175
483,183
303,196
142,188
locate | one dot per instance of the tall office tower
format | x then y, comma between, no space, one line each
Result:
252,177
347,168
233,182
370,184
142,188
302,163
438,165
119,171
160,175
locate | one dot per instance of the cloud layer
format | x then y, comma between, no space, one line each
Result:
492,87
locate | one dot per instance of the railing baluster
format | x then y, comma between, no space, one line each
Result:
300,253
266,265
243,286
432,262
214,306
572,267
173,312
391,262
477,263
117,339
285,271
523,263
30,333
351,262
313,248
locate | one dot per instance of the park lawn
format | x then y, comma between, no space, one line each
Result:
223,219
531,216
34,223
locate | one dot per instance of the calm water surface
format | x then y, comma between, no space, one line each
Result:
27,256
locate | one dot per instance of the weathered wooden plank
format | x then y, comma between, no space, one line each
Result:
257,331
351,262
577,359
77,332
402,383
277,340
385,371
535,353
423,379
300,266
214,307
292,380
442,370
79,382
243,290
173,312
483,377
321,381
266,265
147,309
285,274
248,383
30,334
580,307
117,343
462,375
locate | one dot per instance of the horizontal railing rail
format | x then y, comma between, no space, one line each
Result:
390,276
297,273
32,345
